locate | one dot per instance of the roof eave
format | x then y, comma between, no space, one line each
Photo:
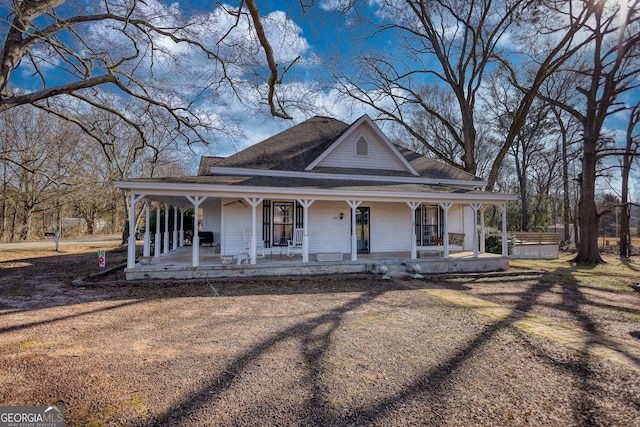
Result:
167,189
335,176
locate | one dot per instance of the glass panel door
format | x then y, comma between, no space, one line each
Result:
430,225
282,223
362,230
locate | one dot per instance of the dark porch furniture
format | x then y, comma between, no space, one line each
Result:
205,237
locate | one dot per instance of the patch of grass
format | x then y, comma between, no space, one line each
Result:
26,345
136,403
15,292
631,316
375,317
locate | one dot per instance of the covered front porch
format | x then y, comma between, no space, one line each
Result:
177,264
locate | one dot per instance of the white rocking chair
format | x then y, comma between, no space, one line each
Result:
295,245
247,244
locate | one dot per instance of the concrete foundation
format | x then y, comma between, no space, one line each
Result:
176,265
329,256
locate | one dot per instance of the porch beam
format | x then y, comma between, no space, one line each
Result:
445,206
131,244
413,206
147,237
253,202
353,204
476,208
305,203
195,241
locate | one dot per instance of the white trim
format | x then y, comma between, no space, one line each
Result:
342,176
195,189
379,134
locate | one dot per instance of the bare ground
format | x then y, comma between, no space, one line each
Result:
330,351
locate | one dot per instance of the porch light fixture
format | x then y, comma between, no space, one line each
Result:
341,215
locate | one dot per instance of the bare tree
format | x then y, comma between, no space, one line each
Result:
132,49
456,45
630,154
120,154
531,144
610,68
38,164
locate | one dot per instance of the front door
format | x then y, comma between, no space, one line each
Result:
362,230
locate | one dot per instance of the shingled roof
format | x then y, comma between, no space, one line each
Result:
289,150
297,147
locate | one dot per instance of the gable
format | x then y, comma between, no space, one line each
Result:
332,148
364,147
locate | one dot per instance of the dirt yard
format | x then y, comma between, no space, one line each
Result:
327,351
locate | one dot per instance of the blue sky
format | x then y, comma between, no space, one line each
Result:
321,33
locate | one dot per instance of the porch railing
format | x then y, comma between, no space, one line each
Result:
536,245
528,238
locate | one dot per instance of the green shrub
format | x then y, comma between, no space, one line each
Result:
493,243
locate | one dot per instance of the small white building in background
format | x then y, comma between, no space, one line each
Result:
346,186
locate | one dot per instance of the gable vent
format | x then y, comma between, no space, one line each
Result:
362,147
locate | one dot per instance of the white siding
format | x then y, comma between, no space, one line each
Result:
212,218
461,221
327,232
456,219
468,228
390,227
379,155
235,218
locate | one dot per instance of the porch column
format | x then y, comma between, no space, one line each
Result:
483,239
156,246
353,204
253,202
195,242
413,206
476,208
445,228
175,227
182,227
505,237
305,203
131,244
147,237
165,246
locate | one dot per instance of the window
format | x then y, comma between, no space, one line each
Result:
362,147
282,223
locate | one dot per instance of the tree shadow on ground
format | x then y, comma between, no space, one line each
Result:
431,386
627,262
576,305
316,337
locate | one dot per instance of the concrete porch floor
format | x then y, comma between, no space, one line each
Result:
176,264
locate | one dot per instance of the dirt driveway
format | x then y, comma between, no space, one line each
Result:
330,351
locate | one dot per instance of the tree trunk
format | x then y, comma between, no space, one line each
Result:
26,223
565,180
587,246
